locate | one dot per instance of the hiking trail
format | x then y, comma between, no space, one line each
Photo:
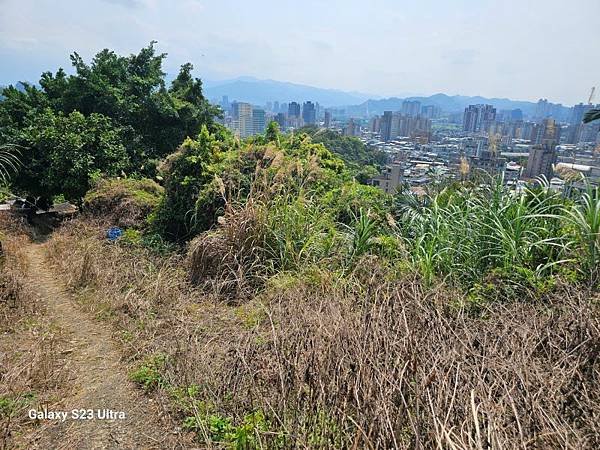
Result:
99,382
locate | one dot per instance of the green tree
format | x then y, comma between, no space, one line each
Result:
187,174
364,162
123,99
63,153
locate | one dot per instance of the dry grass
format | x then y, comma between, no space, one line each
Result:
367,361
122,283
32,359
227,260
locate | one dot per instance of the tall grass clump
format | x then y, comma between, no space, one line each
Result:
287,205
584,218
465,233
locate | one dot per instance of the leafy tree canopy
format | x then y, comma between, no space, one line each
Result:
65,152
352,150
120,105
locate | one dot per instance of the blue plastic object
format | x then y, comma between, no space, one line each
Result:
114,233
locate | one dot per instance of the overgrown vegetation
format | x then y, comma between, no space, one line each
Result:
353,319
363,161
268,299
371,357
123,202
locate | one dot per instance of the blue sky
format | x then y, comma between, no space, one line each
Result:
521,49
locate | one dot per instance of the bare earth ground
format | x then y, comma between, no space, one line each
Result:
100,380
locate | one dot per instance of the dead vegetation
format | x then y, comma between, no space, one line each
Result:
227,260
367,360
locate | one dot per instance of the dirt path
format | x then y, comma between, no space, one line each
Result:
100,380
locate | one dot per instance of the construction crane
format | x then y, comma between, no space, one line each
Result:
592,95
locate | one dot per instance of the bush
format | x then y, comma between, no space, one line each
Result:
124,202
189,187
64,152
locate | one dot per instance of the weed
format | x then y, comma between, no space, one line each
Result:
149,373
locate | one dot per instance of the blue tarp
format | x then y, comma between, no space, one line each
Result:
114,233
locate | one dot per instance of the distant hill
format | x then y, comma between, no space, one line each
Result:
455,103
259,92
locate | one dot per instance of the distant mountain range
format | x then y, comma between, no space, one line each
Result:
259,92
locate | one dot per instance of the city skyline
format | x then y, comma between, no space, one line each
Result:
487,48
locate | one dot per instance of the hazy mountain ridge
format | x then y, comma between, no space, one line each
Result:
259,92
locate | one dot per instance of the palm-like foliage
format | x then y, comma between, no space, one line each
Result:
591,115
363,233
9,162
463,233
585,219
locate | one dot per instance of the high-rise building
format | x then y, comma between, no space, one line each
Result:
246,120
542,154
411,108
258,121
280,119
375,124
294,110
546,132
478,118
540,161
588,132
385,129
544,110
516,115
242,119
352,128
431,111
396,126
327,122
577,113
225,103
309,113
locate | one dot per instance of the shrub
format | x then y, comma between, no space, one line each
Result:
124,202
189,178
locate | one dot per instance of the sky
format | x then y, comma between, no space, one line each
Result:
518,49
